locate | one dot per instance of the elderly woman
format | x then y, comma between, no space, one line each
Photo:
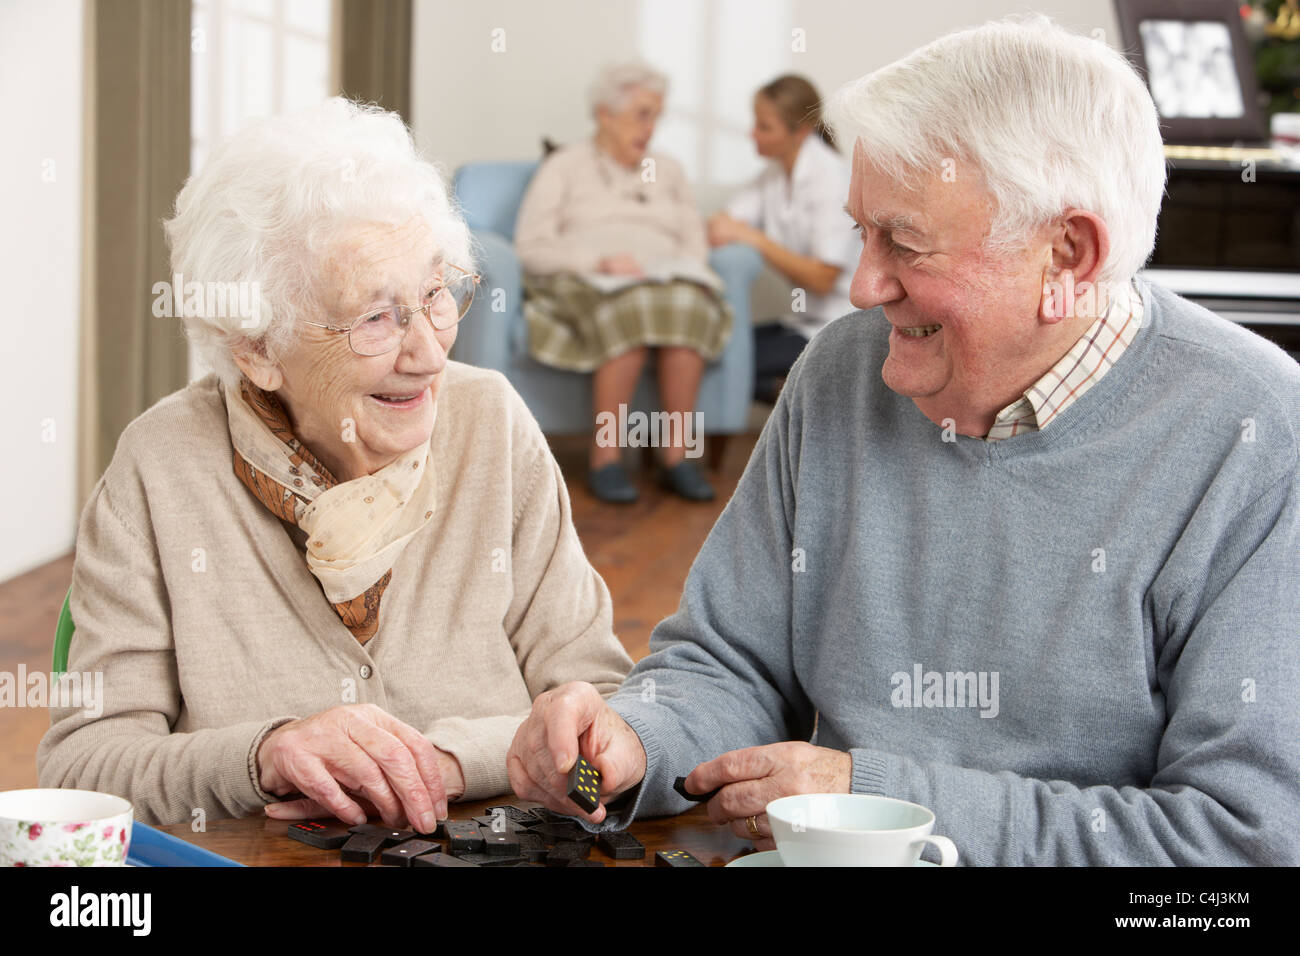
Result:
338,569
616,258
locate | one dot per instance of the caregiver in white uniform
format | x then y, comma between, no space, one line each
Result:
793,214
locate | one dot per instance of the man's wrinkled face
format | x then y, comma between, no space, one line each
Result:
966,338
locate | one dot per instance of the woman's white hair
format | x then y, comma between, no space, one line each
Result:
1049,118
273,199
614,84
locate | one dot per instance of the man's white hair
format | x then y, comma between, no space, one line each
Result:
1049,118
614,84
273,199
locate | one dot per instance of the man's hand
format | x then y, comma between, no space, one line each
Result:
752,778
620,265
569,720
358,749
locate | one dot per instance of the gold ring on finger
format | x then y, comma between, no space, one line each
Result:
752,824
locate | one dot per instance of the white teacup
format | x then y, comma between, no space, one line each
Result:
853,829
63,828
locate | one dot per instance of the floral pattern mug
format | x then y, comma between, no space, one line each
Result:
46,827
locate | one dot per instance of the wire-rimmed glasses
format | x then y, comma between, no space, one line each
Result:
445,303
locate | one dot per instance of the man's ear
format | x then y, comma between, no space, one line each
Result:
253,362
1080,246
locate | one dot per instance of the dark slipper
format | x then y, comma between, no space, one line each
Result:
685,480
611,484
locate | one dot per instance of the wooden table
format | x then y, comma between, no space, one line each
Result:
261,841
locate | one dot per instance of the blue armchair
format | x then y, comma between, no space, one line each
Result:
495,335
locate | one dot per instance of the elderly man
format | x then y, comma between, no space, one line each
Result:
1030,564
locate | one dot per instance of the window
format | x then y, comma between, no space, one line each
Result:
253,58
716,55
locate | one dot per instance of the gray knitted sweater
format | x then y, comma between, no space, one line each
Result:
1079,645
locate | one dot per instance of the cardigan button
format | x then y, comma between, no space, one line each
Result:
366,672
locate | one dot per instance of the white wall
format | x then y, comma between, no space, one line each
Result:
471,103
40,269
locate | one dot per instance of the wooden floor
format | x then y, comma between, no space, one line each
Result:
643,551
29,609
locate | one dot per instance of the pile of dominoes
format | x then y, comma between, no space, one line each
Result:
505,836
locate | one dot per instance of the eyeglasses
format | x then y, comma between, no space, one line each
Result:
445,303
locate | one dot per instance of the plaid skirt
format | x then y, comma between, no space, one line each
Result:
574,326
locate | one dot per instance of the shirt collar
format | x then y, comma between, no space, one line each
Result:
1081,367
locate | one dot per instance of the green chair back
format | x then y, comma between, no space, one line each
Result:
63,636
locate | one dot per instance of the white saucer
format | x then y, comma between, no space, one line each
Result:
773,858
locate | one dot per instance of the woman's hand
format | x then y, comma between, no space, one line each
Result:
724,229
569,720
620,265
752,778
363,750
305,808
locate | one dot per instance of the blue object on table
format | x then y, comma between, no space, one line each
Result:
150,847
489,194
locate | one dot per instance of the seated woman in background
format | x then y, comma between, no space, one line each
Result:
337,569
617,263
793,214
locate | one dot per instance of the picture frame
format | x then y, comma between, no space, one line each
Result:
1195,59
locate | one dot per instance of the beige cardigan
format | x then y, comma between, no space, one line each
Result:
196,604
581,206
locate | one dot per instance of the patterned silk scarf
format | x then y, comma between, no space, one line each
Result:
355,529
